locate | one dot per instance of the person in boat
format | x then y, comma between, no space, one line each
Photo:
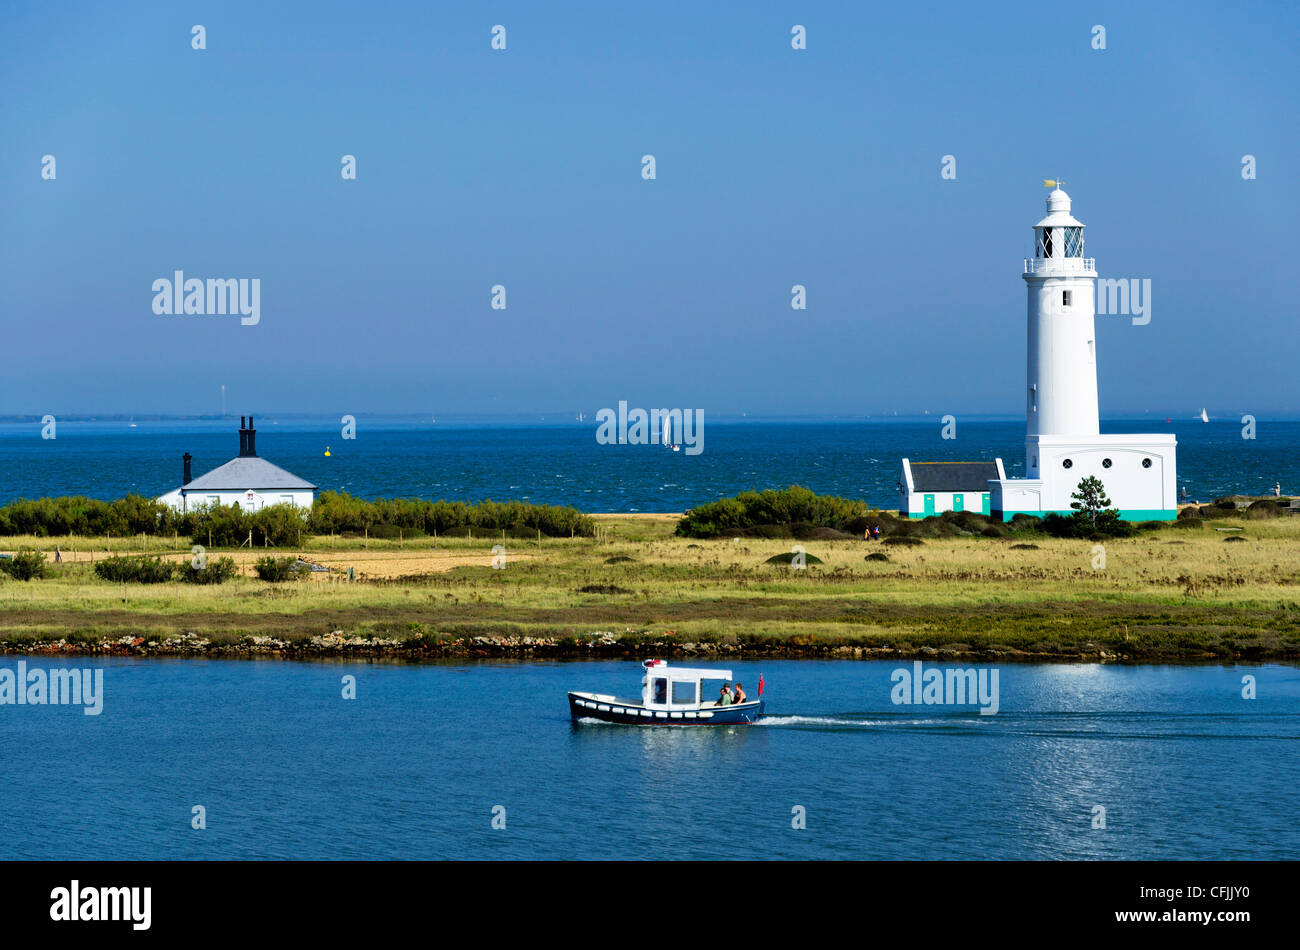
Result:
724,697
739,696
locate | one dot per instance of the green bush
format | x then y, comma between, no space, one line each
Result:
341,513
903,541
789,556
26,564
216,571
1265,508
752,513
285,525
276,568
52,517
135,570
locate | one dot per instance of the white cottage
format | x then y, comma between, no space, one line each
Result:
931,488
246,480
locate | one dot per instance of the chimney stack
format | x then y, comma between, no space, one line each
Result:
247,439
186,459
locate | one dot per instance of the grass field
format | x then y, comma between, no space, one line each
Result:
1175,592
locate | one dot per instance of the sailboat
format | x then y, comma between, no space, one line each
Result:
1204,417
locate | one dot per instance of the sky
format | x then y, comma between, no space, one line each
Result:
523,168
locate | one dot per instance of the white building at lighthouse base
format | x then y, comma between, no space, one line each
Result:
1138,471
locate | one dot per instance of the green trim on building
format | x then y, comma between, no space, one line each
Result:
1132,514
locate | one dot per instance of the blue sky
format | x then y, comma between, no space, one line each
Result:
775,167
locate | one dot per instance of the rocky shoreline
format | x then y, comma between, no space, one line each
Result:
599,646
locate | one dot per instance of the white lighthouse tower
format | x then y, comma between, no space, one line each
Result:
1062,396
1063,441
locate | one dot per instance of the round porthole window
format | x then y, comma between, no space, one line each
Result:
1146,463
1105,463
1068,463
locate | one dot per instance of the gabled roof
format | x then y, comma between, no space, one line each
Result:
247,472
953,476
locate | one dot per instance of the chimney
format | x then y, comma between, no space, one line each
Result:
243,438
186,459
252,439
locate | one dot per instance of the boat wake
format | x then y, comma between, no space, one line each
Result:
815,721
862,723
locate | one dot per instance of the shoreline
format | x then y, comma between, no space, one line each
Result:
338,645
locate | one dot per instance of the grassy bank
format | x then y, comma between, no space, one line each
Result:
636,588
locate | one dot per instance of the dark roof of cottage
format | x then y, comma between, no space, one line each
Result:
953,476
247,472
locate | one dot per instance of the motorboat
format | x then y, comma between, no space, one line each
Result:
670,696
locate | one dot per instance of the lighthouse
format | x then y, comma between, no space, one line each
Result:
1062,351
1063,439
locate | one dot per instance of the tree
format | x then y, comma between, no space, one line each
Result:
1092,510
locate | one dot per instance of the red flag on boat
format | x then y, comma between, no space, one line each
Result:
760,684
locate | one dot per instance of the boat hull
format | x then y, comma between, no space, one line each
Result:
611,709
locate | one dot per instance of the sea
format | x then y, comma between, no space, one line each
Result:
549,461
205,759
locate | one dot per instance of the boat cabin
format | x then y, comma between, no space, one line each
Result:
678,687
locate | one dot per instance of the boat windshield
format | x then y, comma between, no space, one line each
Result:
659,690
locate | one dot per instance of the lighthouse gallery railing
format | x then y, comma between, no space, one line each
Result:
1035,264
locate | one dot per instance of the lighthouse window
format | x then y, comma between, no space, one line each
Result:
1146,463
1067,463
1105,463
1065,298
1074,242
1045,243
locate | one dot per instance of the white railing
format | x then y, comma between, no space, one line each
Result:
1035,264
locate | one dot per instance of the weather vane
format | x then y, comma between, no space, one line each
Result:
1053,182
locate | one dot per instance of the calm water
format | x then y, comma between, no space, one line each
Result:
413,767
563,464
